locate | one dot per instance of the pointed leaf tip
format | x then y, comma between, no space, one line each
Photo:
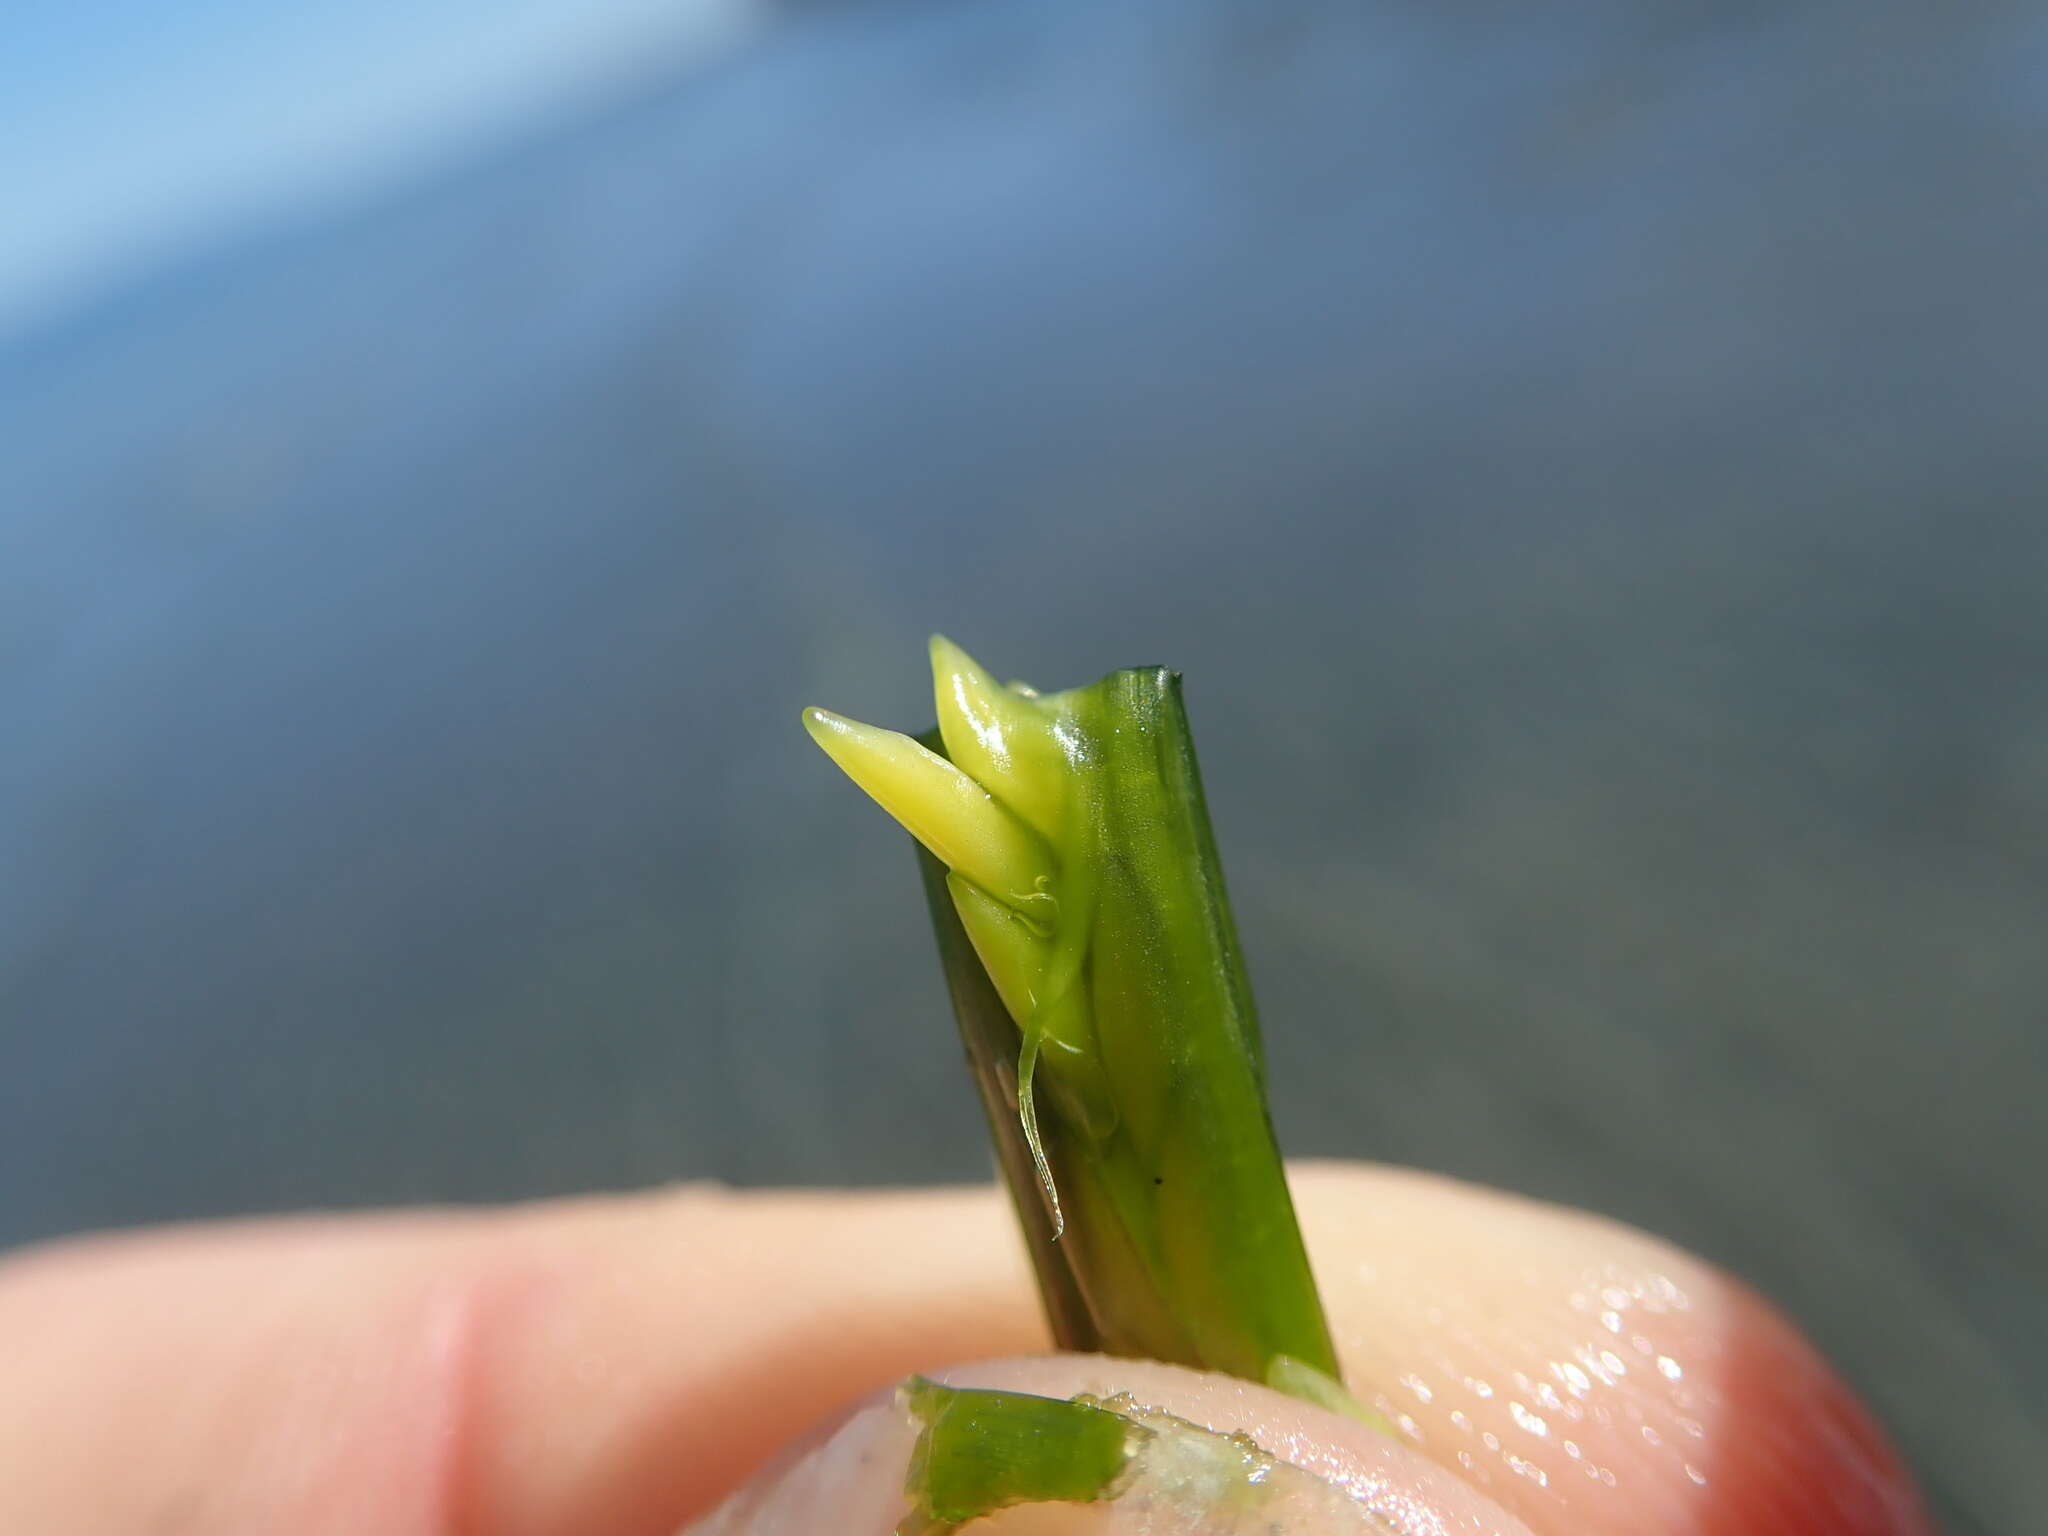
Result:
1003,739
958,820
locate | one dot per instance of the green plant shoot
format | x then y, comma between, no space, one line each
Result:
1096,979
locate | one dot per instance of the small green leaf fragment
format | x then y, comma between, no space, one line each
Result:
980,1451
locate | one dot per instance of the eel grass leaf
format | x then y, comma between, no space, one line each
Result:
1094,969
980,1451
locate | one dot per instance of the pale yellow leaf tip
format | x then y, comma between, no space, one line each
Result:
937,803
1004,739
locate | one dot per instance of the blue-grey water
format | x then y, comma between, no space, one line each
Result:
1590,461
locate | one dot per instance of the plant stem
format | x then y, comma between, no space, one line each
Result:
1087,941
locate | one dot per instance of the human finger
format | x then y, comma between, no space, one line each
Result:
619,1365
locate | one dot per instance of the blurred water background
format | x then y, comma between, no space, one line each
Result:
1590,461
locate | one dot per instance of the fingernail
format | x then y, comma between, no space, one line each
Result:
1070,1444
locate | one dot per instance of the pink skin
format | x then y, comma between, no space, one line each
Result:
1591,1378
620,1366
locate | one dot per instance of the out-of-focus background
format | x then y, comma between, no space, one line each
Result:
1590,461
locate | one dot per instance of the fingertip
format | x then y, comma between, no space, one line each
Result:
1800,1453
1591,1377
